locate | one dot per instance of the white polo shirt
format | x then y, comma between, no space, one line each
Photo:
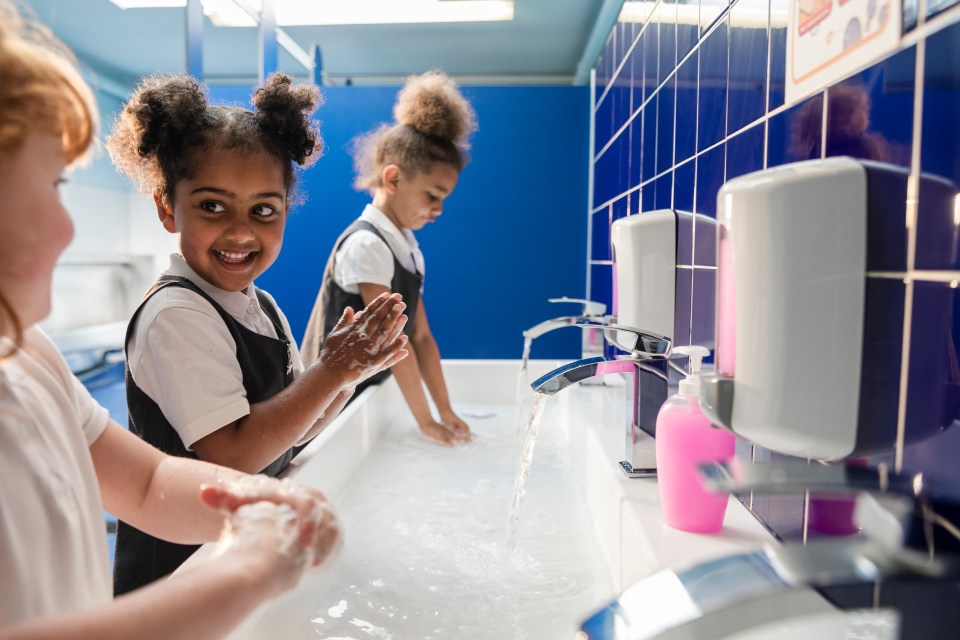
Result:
364,258
183,357
53,541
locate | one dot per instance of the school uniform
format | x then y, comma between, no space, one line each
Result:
53,540
371,250
197,358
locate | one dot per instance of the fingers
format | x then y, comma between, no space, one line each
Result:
438,434
345,319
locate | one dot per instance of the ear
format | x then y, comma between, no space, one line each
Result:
165,213
391,178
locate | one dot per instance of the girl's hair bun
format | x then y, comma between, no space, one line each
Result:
431,103
283,112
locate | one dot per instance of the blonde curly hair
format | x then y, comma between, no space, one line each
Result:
41,91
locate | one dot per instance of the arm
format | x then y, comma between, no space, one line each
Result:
260,560
359,346
423,363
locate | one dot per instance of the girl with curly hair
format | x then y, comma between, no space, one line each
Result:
410,168
212,370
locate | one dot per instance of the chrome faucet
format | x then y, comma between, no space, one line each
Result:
647,360
900,564
590,311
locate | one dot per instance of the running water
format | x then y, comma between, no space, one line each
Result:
523,469
522,390
423,556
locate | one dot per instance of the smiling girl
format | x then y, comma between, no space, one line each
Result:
212,370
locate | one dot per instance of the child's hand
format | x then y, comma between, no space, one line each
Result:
316,533
445,434
459,428
367,342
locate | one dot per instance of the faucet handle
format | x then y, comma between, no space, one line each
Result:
640,343
590,307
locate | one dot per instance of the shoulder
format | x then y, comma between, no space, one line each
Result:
173,298
364,240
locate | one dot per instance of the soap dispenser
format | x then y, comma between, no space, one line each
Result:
685,439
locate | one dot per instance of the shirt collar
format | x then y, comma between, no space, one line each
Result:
402,239
236,303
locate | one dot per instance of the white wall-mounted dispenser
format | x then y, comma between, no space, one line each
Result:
649,249
808,346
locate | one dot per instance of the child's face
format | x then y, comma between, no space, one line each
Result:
229,217
418,199
34,226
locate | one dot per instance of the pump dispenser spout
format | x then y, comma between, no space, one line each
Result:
690,385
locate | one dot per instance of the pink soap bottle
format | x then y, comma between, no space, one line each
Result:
685,439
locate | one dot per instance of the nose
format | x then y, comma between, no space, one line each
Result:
239,229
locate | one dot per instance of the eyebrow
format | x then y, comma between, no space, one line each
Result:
231,194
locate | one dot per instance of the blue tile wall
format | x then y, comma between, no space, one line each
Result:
694,96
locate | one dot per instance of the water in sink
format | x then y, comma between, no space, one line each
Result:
425,531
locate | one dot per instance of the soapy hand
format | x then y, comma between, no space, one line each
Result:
293,526
365,343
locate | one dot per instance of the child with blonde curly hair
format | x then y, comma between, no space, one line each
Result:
62,460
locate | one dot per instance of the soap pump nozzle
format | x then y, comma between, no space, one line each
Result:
690,385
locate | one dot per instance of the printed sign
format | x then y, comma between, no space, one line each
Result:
830,39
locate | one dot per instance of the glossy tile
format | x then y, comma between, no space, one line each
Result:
684,186
635,153
779,10
795,134
748,63
650,141
651,58
870,115
937,229
667,17
600,222
664,192
938,224
712,107
881,356
710,177
933,380
686,126
745,152
637,66
666,104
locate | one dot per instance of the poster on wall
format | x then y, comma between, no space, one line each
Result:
830,39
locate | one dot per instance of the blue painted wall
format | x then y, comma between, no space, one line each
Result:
694,96
512,235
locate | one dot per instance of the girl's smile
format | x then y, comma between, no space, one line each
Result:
229,216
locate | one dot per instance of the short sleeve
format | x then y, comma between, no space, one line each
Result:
91,416
363,258
183,357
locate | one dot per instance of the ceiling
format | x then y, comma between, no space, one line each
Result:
541,45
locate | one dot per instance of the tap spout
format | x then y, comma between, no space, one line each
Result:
568,374
649,390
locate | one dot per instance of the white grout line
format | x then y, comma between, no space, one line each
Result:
672,73
913,187
626,56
